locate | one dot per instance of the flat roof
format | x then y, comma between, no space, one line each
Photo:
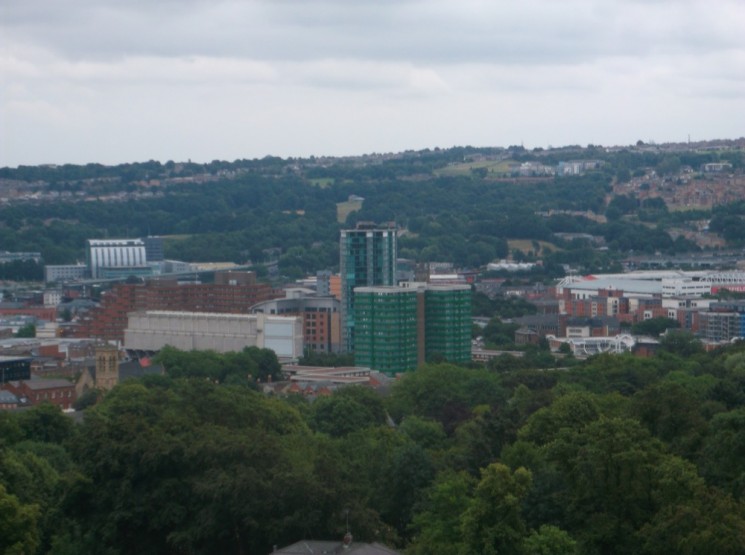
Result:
619,283
13,359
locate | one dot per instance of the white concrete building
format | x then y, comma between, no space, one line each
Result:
52,297
114,253
681,287
154,329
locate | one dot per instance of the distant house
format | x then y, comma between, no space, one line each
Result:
8,400
304,547
37,391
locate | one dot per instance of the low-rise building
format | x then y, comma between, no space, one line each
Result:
152,330
37,391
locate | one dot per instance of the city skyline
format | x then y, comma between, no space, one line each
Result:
100,81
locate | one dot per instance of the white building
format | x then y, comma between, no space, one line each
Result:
65,272
52,297
682,287
582,347
154,329
114,253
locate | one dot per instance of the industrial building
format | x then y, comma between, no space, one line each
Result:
150,331
105,256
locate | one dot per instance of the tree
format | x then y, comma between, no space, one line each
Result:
691,518
609,468
29,330
654,326
18,525
444,393
349,409
45,422
493,523
436,527
723,452
549,540
682,343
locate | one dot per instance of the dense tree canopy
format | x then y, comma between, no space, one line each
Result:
614,455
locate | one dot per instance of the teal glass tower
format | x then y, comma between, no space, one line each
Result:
367,258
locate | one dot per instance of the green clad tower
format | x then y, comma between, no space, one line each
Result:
367,259
385,328
399,328
448,322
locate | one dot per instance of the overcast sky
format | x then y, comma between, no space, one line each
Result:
115,81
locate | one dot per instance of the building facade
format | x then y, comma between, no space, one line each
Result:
14,369
724,321
448,322
367,258
65,272
320,315
150,331
399,328
107,254
386,328
234,293
35,392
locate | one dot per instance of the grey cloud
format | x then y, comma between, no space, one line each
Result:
431,32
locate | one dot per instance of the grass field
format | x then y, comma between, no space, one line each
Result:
526,245
492,167
322,182
343,209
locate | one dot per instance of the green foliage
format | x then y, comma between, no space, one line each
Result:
723,451
246,367
549,540
348,409
499,334
682,343
502,307
18,525
45,422
654,326
22,270
314,358
444,393
493,522
614,455
29,330
436,526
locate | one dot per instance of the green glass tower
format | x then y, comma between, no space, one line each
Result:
386,328
448,322
398,328
367,258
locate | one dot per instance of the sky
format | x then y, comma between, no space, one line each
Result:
113,81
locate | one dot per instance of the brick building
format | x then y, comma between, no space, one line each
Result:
232,293
37,391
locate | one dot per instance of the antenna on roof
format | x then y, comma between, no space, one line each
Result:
347,541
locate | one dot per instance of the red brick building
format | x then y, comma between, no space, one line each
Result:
38,391
232,293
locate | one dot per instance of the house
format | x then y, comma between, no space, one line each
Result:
37,391
8,400
346,546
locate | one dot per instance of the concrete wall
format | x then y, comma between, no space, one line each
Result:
152,330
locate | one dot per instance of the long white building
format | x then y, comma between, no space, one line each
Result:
114,253
154,329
